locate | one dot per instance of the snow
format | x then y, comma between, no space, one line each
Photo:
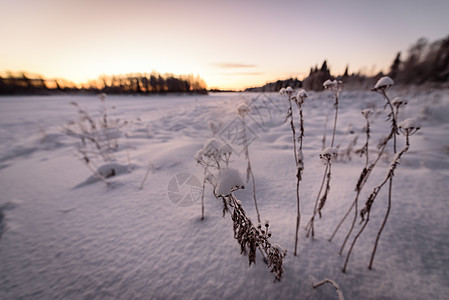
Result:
302,94
330,84
228,181
399,101
66,235
330,151
410,123
383,83
226,149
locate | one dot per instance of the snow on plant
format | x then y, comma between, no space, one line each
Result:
333,283
98,137
397,103
335,87
366,113
327,155
225,182
210,156
299,99
249,237
243,109
229,181
408,128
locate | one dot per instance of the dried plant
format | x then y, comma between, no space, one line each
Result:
98,137
366,113
327,155
335,87
209,157
224,184
242,110
333,283
251,238
149,168
214,127
407,129
299,99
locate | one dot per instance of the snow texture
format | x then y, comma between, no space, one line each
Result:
61,238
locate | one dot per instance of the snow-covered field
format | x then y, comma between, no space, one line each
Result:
66,235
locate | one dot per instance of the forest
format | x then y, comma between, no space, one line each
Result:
425,63
135,83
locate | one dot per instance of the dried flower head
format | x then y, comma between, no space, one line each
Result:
288,91
102,97
301,95
409,126
367,113
383,84
212,148
198,156
333,85
226,149
243,109
398,102
329,153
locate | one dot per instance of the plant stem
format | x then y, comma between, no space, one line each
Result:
309,226
356,205
150,166
298,178
202,194
390,187
290,114
335,119
254,193
370,201
353,243
249,169
361,182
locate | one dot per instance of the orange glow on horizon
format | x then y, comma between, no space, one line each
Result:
229,44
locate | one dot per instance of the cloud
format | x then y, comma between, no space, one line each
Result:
233,65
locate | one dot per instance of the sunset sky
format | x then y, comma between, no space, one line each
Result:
231,44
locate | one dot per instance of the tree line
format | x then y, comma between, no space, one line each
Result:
425,63
135,83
